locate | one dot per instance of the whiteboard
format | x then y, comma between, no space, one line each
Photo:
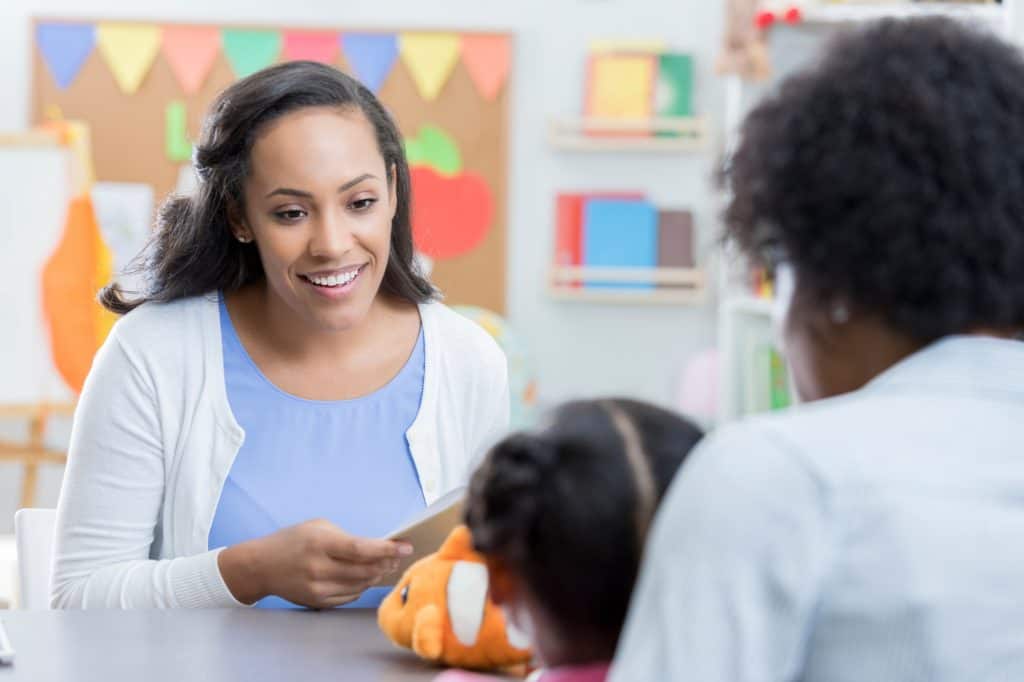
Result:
35,187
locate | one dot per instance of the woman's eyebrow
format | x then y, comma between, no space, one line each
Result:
288,191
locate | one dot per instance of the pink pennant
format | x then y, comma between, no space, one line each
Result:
191,52
487,58
317,46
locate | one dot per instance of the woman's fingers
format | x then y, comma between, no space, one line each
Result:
341,572
342,546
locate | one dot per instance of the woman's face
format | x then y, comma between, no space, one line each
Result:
319,204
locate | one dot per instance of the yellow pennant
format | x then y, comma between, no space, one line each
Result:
129,50
430,58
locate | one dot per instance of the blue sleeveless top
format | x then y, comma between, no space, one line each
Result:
346,461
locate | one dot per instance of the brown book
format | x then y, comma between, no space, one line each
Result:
675,239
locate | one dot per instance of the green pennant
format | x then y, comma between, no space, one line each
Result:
248,51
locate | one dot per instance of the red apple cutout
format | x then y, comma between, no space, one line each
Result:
450,215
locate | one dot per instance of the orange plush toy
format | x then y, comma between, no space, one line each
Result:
441,610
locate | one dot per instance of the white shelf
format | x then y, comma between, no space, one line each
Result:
604,134
689,277
679,286
630,296
851,12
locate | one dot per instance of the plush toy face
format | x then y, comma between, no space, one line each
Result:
440,609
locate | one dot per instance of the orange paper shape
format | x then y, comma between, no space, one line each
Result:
315,46
191,51
451,215
72,276
487,58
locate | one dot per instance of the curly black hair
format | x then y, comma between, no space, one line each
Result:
568,507
891,175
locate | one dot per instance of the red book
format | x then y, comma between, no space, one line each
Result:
569,232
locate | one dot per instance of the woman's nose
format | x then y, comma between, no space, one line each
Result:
332,237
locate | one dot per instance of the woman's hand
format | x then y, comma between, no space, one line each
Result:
314,564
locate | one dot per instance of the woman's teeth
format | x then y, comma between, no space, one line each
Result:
334,280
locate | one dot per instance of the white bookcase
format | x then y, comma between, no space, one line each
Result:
743,317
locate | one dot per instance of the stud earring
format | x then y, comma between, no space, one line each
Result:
244,239
840,313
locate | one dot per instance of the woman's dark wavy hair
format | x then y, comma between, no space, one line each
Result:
891,175
193,251
567,507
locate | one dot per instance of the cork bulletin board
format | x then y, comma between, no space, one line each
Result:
134,83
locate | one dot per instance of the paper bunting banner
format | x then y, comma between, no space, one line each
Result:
65,47
191,51
315,46
176,144
371,56
430,58
487,58
81,264
250,51
129,50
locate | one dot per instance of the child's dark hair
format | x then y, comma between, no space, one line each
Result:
568,507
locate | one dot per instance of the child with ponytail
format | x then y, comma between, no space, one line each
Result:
561,516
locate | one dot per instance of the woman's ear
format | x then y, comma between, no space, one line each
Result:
237,223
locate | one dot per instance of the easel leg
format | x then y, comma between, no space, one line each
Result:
37,430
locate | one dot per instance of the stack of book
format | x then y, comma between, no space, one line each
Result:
637,81
620,230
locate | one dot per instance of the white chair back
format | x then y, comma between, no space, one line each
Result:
33,530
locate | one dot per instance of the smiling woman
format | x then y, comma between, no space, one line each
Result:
286,389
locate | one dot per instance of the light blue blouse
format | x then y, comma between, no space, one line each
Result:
346,461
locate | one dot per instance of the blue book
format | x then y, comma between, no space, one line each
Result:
620,233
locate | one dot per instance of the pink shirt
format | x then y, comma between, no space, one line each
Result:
596,672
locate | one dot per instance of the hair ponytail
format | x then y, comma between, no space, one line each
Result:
505,501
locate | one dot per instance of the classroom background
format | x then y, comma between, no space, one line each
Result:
585,134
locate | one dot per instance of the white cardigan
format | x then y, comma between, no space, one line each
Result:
154,439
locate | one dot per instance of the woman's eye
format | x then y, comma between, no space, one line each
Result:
291,214
363,204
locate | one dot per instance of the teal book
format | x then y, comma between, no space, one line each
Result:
674,87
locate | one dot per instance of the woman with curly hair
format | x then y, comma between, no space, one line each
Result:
876,532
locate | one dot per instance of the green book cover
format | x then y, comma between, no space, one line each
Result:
779,382
674,89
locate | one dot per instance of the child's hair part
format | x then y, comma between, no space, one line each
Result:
568,507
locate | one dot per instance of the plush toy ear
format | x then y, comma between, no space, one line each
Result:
459,545
428,633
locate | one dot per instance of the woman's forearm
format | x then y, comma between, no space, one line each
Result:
242,572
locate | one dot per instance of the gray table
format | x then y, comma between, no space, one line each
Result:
200,645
